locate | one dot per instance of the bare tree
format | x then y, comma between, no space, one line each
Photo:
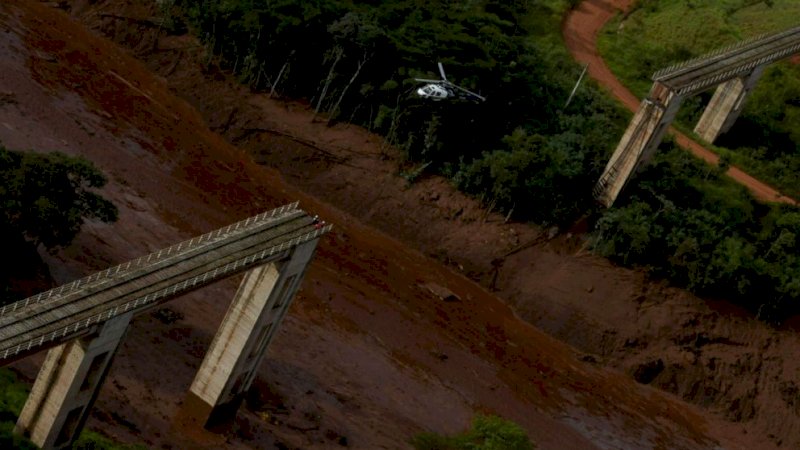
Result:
364,58
354,33
337,54
280,74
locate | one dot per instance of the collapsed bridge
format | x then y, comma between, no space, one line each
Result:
735,70
83,322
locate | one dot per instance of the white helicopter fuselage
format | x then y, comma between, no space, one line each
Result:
433,91
442,89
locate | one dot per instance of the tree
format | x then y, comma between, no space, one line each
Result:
487,433
627,233
550,176
336,54
45,198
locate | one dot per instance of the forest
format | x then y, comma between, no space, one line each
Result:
356,61
525,152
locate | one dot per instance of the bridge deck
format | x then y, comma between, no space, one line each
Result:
730,62
55,316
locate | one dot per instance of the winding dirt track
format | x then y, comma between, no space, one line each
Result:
580,34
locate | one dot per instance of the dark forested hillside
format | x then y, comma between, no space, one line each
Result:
356,61
522,151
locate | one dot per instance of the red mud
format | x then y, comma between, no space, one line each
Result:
368,352
580,31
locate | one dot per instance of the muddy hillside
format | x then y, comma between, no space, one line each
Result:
369,354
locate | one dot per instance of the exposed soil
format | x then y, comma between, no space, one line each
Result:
580,34
369,354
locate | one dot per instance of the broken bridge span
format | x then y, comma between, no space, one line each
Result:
83,322
735,70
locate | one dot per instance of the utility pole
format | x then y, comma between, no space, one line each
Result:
575,89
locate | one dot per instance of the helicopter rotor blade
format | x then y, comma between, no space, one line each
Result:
441,71
467,91
423,80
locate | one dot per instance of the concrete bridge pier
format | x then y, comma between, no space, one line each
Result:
68,384
232,361
726,105
642,137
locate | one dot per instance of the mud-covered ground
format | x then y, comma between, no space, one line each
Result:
368,355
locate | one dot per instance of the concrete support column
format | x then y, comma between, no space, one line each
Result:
640,140
231,363
67,385
726,105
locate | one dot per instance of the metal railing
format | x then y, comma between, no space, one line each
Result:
737,71
166,293
152,258
726,52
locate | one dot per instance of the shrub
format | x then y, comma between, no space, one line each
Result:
486,433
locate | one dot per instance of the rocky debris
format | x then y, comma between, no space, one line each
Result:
647,372
442,292
7,98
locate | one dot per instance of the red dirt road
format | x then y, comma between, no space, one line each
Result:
580,31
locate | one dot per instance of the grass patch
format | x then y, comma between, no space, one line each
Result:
486,433
13,394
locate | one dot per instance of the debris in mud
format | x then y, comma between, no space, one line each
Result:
743,409
244,429
647,372
167,316
7,98
281,446
332,435
442,292
124,422
440,355
790,394
263,398
303,427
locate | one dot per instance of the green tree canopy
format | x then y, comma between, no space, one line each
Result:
46,197
487,433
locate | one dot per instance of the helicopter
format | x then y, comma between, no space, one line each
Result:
442,89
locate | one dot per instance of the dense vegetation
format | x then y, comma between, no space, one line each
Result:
486,433
46,197
357,60
12,398
44,200
766,139
685,221
522,151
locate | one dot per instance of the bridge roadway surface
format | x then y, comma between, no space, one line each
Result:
75,309
696,75
580,30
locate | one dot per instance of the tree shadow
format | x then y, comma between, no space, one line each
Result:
23,273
